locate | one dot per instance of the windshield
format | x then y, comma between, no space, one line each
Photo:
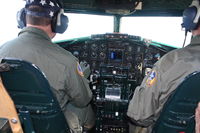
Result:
81,25
165,30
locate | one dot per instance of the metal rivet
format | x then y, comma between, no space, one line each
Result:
14,120
184,122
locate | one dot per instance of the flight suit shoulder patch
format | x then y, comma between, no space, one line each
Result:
151,79
79,70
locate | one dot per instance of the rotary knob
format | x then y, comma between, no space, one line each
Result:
102,55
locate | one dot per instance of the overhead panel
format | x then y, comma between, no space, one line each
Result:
124,7
163,7
115,4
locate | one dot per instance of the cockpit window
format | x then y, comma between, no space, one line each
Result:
165,30
81,25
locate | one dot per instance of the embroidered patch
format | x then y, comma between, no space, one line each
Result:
79,69
151,79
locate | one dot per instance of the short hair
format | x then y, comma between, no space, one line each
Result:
37,20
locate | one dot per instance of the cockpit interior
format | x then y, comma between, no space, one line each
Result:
118,61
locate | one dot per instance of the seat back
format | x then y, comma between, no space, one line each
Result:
5,126
178,112
37,106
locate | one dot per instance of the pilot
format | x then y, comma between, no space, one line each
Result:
41,20
149,98
197,119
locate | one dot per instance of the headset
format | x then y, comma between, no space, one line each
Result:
59,22
21,18
191,16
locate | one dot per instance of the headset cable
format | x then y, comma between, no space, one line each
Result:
186,31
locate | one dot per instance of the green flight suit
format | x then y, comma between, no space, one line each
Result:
166,75
61,69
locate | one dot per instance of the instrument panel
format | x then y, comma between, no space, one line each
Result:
121,50
118,63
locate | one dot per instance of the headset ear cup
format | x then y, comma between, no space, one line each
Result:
62,24
59,23
21,18
189,15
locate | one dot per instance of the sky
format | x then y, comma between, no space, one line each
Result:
8,23
164,30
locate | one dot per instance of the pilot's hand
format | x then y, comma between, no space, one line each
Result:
85,68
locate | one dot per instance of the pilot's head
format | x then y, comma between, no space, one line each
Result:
42,13
191,16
